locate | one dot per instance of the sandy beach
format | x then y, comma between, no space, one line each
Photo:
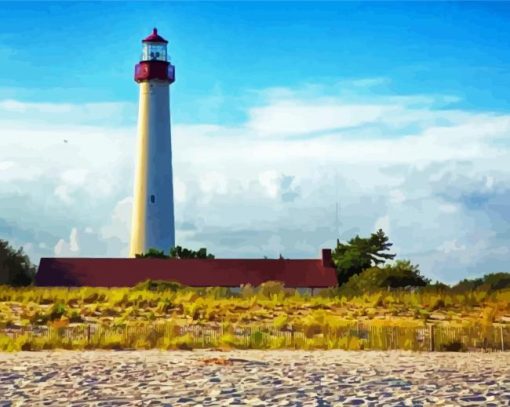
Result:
256,378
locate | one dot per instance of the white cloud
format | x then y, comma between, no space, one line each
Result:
448,208
63,193
397,196
269,181
119,225
437,177
384,224
452,246
213,182
74,176
69,248
87,113
295,118
5,165
179,191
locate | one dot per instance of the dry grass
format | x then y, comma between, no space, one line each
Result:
328,314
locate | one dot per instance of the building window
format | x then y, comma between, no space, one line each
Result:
153,198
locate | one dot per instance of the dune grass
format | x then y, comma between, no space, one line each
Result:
277,317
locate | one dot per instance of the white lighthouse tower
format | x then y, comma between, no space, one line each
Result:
153,202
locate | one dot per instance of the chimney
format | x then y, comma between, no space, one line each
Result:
327,260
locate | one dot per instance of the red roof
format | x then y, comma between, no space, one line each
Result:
154,37
118,272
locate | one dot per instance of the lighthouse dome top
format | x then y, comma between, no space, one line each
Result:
155,37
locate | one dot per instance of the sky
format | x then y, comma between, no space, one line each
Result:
397,114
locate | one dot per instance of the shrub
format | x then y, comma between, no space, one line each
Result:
489,282
401,274
270,288
247,291
436,288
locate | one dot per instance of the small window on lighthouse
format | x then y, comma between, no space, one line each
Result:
154,52
153,198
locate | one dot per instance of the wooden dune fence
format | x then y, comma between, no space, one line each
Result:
494,337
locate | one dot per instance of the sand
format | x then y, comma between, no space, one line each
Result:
256,378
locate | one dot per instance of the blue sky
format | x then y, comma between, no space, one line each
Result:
399,111
456,48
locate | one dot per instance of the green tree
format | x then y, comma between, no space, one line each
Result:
15,266
179,252
153,253
359,254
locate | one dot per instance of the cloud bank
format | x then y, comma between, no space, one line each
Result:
433,176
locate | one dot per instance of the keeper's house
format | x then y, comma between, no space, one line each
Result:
305,275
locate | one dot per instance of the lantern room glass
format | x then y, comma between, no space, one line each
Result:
154,51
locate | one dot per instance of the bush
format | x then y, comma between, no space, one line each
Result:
399,275
436,288
269,289
247,291
489,282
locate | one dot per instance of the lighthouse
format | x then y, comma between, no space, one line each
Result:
153,203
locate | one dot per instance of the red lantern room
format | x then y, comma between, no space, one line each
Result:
154,62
